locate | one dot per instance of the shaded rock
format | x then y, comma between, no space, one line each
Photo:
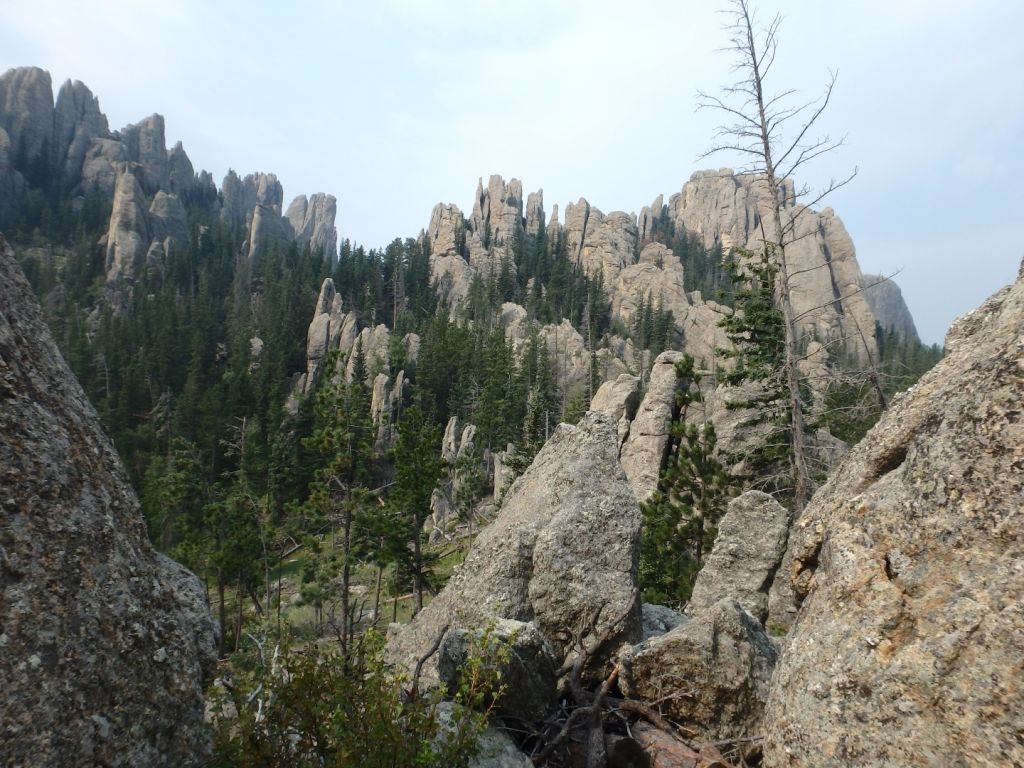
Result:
12,183
884,297
563,549
268,231
659,619
446,233
906,570
106,643
146,145
181,176
77,123
26,114
749,546
530,672
168,221
497,750
643,453
100,166
711,673
619,399
374,344
534,213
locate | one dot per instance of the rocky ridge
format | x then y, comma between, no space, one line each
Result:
106,643
69,139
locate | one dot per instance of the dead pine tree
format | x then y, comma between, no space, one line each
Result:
776,136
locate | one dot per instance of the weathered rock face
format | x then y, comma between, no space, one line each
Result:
563,548
181,176
659,619
77,123
749,546
718,665
147,146
727,208
26,114
312,222
643,453
100,166
597,243
12,183
129,234
105,642
619,399
657,277
884,297
907,649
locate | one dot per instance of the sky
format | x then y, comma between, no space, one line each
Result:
395,105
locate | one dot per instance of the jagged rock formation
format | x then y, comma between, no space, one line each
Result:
26,114
749,546
906,568
461,248
725,208
884,297
457,448
312,221
619,399
643,452
70,140
129,235
77,123
138,236
659,619
562,550
106,643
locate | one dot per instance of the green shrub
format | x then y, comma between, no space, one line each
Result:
312,706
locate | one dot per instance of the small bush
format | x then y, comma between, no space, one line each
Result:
311,706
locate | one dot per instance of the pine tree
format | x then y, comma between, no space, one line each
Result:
681,518
758,352
418,467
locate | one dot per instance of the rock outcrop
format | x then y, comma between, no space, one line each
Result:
26,114
711,674
643,453
312,223
884,297
146,145
906,567
748,548
77,123
562,551
106,643
725,208
129,234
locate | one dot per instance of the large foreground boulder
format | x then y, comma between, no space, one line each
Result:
104,643
562,554
710,674
908,648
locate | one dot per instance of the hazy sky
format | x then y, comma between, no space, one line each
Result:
395,105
